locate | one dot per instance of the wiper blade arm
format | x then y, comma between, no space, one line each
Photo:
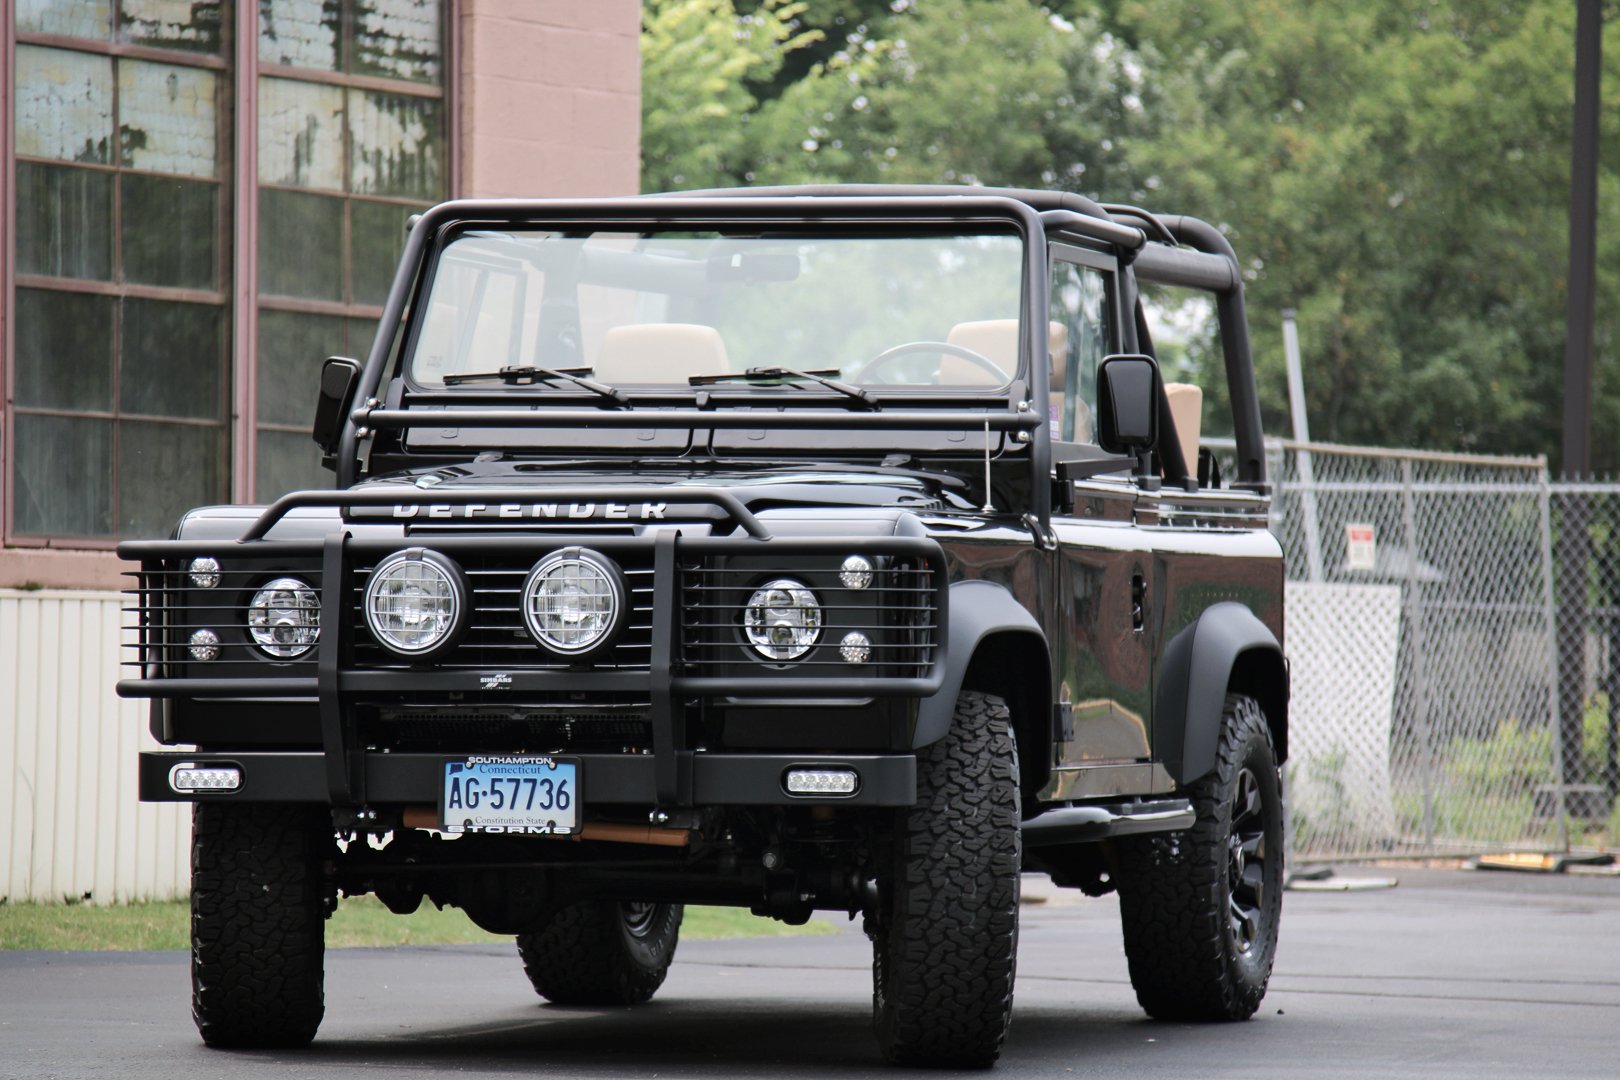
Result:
761,374
528,376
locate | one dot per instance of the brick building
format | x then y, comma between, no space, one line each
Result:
199,201
204,199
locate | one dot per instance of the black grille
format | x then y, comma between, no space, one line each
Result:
164,609
898,615
496,636
605,725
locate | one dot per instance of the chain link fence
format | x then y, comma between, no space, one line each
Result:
1453,626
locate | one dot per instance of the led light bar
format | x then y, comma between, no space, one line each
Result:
821,782
188,777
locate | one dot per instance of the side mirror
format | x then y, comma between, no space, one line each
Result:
339,378
1128,394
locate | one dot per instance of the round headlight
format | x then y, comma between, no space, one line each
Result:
414,601
782,620
572,601
285,618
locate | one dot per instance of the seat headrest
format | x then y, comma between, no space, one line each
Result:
1187,410
997,340
660,353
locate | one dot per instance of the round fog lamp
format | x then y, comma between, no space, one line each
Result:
204,572
204,645
572,601
782,620
414,601
855,648
285,618
856,572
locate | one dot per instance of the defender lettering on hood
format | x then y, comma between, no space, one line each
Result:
555,511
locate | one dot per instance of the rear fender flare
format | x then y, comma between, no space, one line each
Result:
1227,650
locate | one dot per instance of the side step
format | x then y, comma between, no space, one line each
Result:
1102,821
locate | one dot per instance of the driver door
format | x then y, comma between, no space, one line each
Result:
1101,742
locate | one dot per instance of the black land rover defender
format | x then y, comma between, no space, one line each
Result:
797,549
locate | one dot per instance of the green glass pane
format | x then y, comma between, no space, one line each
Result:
64,105
292,347
300,245
167,118
361,333
51,452
173,359
64,222
396,145
377,232
301,33
188,25
70,18
170,231
64,350
165,470
288,462
300,134
398,39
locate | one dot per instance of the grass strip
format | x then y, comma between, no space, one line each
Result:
360,922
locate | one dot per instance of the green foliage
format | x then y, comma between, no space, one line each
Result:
1395,171
696,59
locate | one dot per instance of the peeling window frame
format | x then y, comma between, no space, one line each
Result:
116,53
348,307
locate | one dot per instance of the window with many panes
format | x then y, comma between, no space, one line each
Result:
119,380
124,139
352,138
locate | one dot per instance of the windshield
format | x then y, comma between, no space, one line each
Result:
656,309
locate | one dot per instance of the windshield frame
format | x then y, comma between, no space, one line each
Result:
372,418
703,215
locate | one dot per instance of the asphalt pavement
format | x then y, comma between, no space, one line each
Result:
1450,974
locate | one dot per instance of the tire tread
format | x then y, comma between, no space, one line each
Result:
944,965
1172,898
582,956
258,908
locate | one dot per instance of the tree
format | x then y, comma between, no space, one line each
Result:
697,60
1396,171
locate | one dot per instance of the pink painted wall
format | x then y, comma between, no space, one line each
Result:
550,98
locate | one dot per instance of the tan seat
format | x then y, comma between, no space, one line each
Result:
660,353
1187,410
997,341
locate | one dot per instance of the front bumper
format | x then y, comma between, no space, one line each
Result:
730,779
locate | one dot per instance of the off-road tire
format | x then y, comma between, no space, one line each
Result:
1191,958
601,952
259,903
947,940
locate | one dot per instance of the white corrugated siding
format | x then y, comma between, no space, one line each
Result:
70,822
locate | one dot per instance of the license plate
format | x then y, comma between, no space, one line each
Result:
510,795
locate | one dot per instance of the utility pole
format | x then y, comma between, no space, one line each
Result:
1578,343
1302,434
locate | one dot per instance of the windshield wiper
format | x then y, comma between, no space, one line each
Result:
528,376
762,374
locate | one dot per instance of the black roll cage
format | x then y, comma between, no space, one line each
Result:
1034,215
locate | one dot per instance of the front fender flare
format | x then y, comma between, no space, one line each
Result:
977,610
1226,649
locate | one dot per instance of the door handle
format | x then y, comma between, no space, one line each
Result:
1138,602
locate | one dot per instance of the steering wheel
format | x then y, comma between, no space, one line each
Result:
888,356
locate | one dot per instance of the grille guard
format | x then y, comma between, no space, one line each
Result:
337,683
